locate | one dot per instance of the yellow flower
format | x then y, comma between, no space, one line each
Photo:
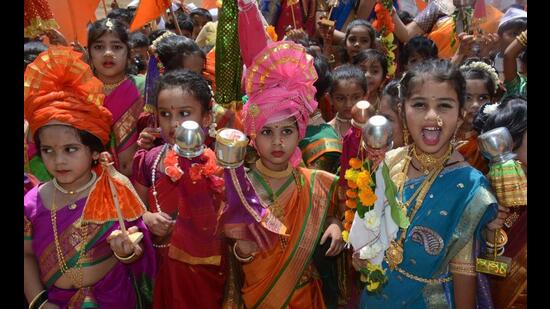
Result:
373,267
363,180
372,286
355,163
389,37
367,197
351,175
345,235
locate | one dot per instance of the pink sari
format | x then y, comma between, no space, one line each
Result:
126,104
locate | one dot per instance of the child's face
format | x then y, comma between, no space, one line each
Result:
374,73
346,93
194,63
357,41
429,101
276,143
109,56
387,111
476,95
198,22
414,58
174,106
508,37
66,158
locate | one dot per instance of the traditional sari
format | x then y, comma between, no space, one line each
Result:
191,260
124,286
126,105
457,206
321,148
285,276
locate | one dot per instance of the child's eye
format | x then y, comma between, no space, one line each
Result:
46,150
71,149
118,47
164,114
418,104
184,114
446,105
287,131
265,132
483,97
340,99
98,47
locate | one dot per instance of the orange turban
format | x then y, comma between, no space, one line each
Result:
60,86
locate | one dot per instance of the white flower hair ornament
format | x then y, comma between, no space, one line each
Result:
482,66
490,109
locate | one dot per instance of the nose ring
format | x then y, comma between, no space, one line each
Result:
439,121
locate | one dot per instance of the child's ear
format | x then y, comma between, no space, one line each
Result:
95,155
206,119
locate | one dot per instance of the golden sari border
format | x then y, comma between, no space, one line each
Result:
182,256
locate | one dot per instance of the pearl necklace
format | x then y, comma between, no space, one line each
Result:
155,193
73,192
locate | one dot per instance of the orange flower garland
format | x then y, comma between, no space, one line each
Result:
385,26
171,166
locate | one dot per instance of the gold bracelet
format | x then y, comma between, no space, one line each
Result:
33,301
522,39
125,259
241,259
42,305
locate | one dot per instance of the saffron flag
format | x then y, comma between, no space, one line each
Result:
148,10
73,17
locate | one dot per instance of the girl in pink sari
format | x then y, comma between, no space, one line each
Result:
109,58
73,260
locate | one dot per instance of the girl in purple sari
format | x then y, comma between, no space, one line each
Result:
109,59
72,260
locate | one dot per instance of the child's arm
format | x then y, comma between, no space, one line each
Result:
510,55
160,224
31,274
334,231
124,249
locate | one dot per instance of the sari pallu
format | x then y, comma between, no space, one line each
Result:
126,105
457,207
192,269
286,276
124,286
321,148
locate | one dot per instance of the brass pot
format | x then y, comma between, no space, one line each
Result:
230,147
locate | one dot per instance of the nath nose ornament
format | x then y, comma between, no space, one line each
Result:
439,121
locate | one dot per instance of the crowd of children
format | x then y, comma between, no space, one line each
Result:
117,217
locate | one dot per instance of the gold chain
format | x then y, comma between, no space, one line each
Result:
109,87
430,162
75,273
423,280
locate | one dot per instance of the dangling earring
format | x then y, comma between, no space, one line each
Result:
212,127
453,139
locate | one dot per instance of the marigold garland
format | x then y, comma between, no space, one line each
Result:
385,26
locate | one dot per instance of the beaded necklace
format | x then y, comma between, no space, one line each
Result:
155,193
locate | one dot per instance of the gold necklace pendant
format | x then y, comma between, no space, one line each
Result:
72,206
394,254
430,162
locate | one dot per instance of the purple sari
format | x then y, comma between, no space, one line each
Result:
124,286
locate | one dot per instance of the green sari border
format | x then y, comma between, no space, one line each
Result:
72,261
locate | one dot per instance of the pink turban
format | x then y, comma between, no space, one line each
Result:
279,85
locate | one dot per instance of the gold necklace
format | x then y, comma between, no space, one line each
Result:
273,174
430,162
394,254
108,87
74,192
75,273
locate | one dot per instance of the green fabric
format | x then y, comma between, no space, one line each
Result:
229,65
38,169
329,161
518,86
139,82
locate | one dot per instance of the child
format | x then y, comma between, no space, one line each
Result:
360,36
349,86
416,50
512,23
481,86
275,118
374,64
389,108
109,57
440,194
321,147
200,17
139,44
183,210
516,83
179,52
80,264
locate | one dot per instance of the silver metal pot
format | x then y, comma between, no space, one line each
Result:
496,145
189,140
378,132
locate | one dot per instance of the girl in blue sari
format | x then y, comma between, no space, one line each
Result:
431,263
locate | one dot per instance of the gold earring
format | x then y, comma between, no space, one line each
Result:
405,136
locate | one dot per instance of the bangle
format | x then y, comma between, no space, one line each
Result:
241,259
522,39
466,269
42,305
125,259
39,300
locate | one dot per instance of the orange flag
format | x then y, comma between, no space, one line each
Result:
73,17
148,10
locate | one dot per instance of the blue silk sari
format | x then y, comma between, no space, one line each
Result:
457,207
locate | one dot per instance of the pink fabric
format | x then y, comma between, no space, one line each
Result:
252,35
279,85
